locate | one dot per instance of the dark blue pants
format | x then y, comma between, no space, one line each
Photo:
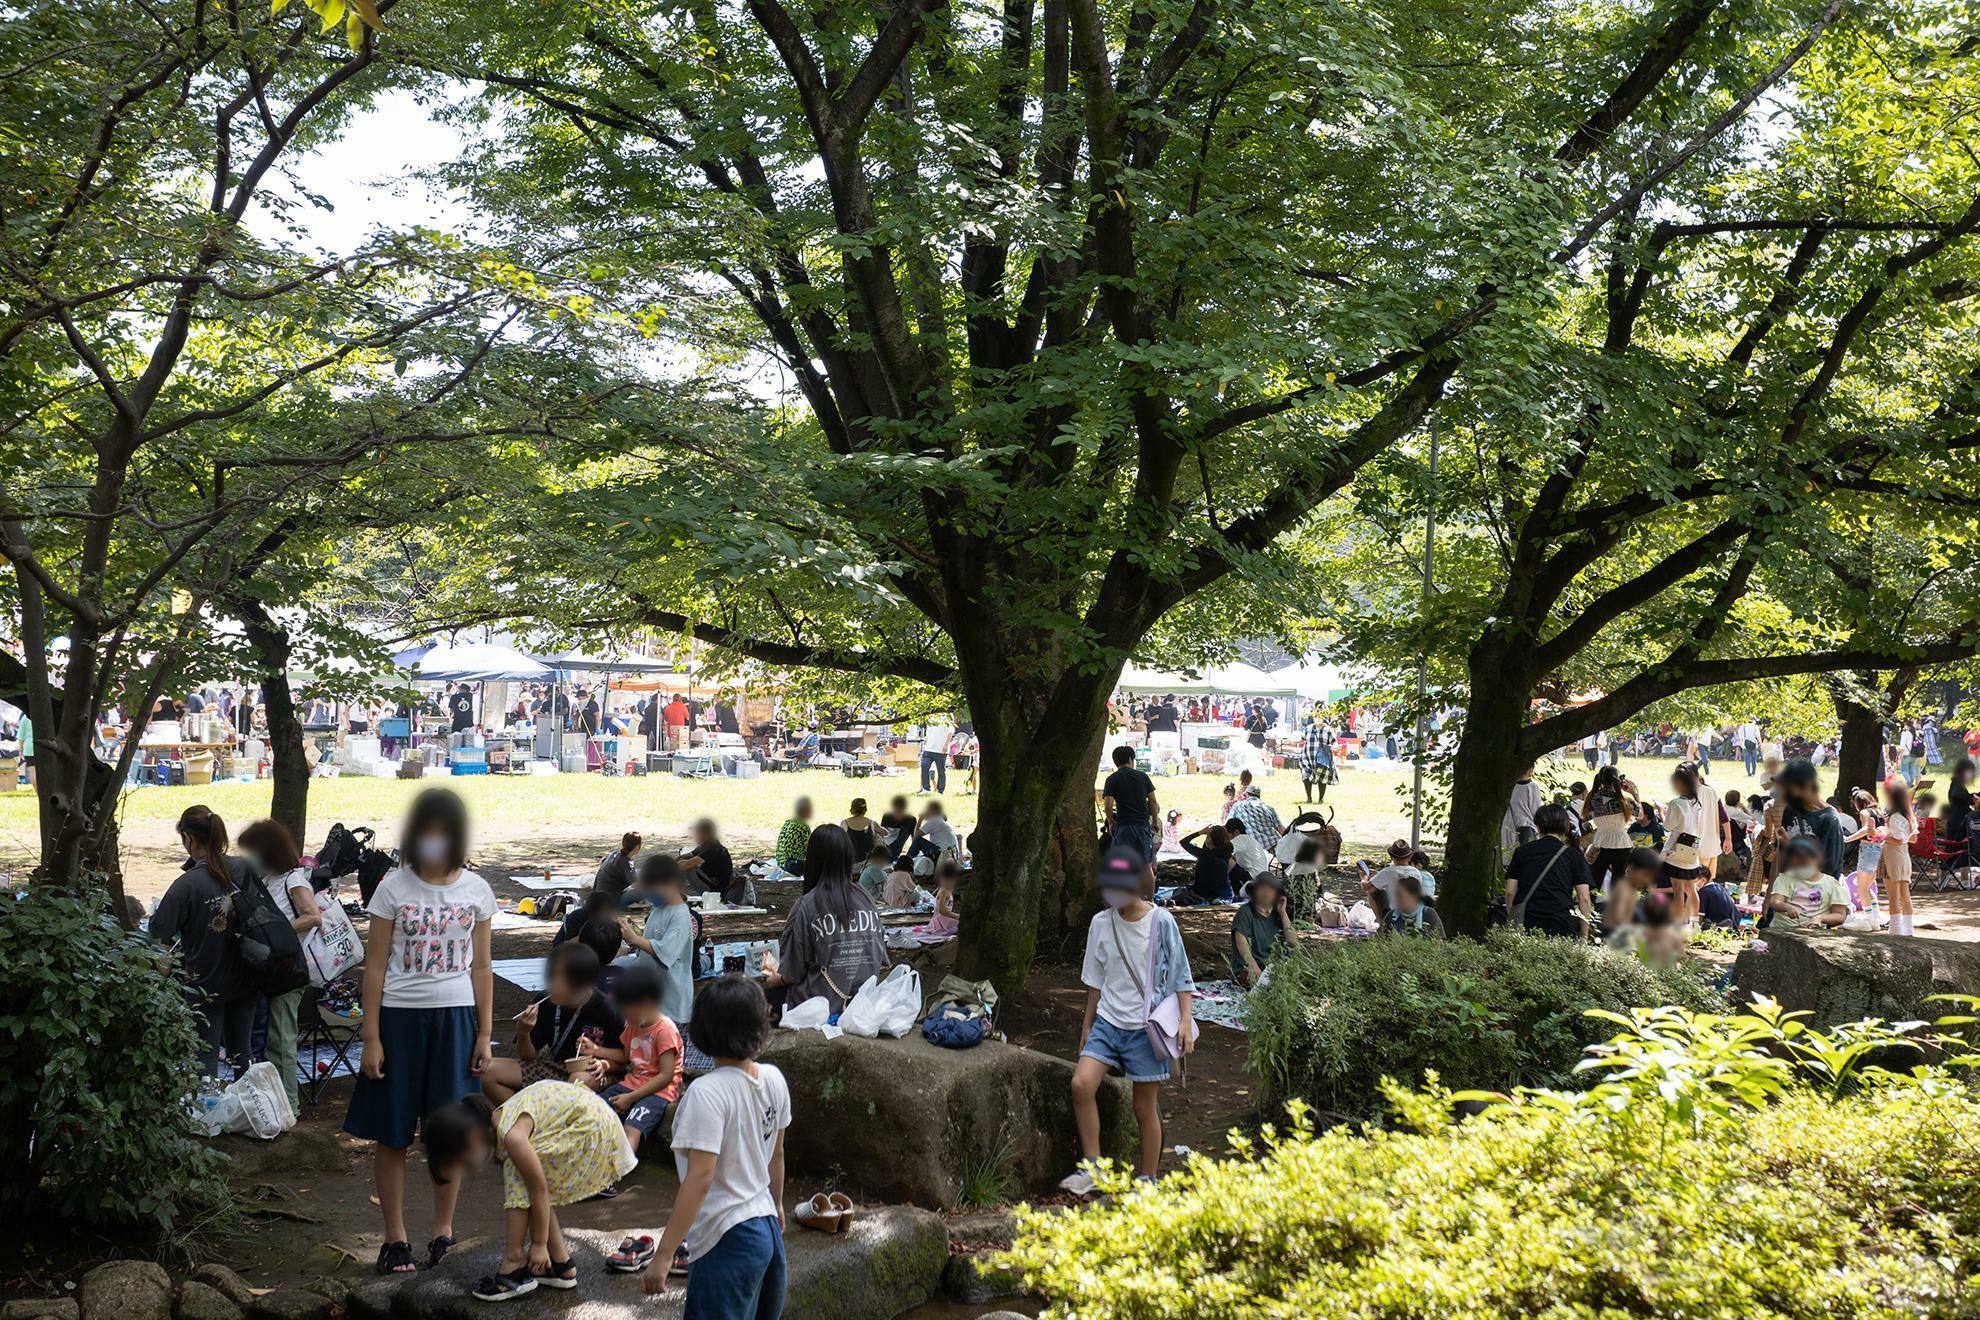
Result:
742,1278
939,763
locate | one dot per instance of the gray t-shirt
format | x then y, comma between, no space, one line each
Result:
831,944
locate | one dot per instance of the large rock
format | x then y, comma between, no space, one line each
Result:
1841,977
40,1308
299,1152
126,1290
223,1280
292,1304
891,1259
903,1120
199,1302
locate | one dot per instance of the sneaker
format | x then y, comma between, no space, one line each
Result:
1079,1182
605,1193
633,1255
679,1268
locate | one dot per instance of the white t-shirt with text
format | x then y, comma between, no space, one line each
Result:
1105,971
432,937
736,1118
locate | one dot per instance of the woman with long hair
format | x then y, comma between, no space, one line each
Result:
1899,827
268,846
197,924
1691,841
832,940
1609,808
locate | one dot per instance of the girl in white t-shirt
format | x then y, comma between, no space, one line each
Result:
429,997
1896,859
1692,839
729,1151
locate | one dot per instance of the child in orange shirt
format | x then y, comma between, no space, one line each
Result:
650,1051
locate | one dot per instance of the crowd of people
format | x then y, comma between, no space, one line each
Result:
1784,857
620,1037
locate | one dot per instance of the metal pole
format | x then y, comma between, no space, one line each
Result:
1423,658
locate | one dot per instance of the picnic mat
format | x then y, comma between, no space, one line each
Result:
523,973
1221,1002
516,921
533,880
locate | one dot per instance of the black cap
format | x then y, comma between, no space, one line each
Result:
1119,869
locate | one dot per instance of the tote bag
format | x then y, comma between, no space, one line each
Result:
333,948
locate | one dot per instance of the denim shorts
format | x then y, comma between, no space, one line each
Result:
1125,1050
644,1114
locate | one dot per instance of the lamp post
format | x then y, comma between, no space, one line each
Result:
1423,657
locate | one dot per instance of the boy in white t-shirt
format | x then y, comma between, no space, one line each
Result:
1134,961
429,997
729,1148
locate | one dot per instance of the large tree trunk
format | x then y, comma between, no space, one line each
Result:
1859,753
1034,847
1489,760
290,769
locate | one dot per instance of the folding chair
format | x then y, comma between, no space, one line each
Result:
1954,866
321,1040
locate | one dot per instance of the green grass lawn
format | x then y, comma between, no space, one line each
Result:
569,820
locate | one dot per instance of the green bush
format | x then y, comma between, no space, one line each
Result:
97,1053
1722,1167
1334,1021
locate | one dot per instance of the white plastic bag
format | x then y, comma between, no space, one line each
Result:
814,1014
255,1104
885,1008
334,947
1362,917
264,1104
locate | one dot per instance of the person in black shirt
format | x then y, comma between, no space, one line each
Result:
714,871
197,924
460,706
1131,813
1255,726
897,826
1162,715
1803,812
1547,879
548,1031
1212,881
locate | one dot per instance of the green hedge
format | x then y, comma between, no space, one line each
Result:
97,1053
1334,1021
1706,1179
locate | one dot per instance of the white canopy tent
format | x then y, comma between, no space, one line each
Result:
1303,682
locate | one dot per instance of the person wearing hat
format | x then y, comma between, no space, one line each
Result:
1135,962
1258,928
1805,895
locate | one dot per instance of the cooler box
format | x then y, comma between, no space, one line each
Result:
470,768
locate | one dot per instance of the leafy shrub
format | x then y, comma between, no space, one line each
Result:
97,1053
1715,1167
1334,1021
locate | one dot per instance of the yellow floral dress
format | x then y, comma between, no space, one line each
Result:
579,1141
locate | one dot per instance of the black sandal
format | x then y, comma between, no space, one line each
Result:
505,1287
395,1258
436,1251
563,1274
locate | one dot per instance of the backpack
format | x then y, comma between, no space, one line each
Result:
270,947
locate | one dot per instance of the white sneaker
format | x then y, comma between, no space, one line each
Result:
1079,1182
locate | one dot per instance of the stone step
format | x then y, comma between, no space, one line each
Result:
891,1259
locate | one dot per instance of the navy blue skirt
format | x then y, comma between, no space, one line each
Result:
428,1054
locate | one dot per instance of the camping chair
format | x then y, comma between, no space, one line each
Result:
322,1039
1950,856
